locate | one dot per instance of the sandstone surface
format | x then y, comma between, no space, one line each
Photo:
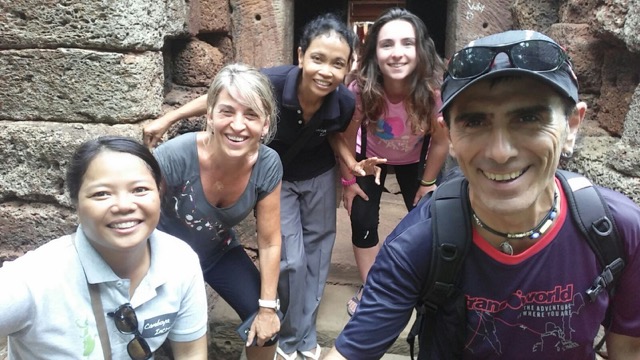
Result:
75,85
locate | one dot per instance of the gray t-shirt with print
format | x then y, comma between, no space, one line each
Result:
188,215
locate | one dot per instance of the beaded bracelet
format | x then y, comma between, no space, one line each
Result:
348,182
427,183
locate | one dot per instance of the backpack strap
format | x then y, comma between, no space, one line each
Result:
451,237
450,210
592,215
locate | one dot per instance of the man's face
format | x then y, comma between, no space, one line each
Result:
507,137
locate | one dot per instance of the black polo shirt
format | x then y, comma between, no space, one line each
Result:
316,156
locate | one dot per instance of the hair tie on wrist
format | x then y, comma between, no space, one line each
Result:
427,183
346,183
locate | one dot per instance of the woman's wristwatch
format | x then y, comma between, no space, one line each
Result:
270,304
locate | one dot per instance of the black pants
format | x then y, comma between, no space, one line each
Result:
365,215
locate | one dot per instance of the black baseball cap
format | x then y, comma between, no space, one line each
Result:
562,79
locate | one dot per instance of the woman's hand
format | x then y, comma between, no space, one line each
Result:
423,191
368,167
152,132
349,193
265,326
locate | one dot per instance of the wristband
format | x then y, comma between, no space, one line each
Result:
427,183
270,304
346,183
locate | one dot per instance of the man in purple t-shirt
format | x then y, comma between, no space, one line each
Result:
510,104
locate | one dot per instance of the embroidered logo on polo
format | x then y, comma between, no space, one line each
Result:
88,336
157,326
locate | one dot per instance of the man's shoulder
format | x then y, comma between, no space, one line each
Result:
625,212
412,238
613,198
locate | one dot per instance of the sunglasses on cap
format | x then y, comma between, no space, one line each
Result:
127,323
534,55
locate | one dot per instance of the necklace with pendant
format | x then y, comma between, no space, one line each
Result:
535,233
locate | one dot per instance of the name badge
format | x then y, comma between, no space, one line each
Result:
159,325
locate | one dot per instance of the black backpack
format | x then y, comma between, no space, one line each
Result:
442,308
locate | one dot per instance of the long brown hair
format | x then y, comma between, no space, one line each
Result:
425,79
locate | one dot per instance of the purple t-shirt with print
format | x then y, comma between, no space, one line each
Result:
529,306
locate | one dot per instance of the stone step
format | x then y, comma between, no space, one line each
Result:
332,317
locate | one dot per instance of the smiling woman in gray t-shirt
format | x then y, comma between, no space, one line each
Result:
212,181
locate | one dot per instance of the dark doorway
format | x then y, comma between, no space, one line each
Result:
306,10
432,12
434,15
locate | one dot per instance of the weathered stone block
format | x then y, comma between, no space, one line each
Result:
620,20
262,31
35,156
221,42
26,226
224,342
182,18
631,133
476,19
625,156
620,76
73,85
127,24
534,15
632,27
197,64
625,159
586,52
578,11
593,160
215,16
